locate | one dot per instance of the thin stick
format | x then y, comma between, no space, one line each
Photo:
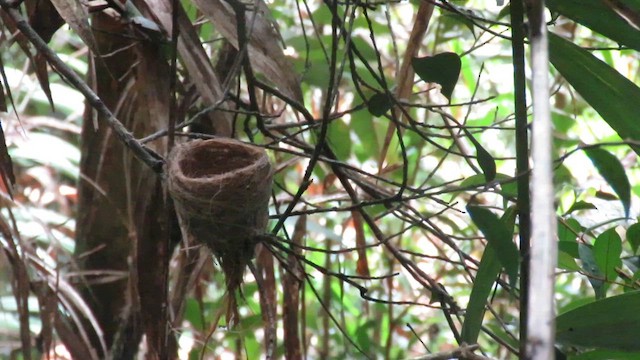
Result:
540,324
522,159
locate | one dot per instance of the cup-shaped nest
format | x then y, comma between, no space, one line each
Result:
221,190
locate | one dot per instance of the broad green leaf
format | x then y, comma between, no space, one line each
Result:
611,323
488,271
379,104
567,245
570,248
612,171
606,90
567,262
498,235
597,16
443,69
594,274
569,229
633,236
606,252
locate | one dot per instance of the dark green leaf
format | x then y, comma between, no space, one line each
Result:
606,90
443,69
592,270
606,252
607,355
581,205
498,235
569,229
485,160
612,171
612,323
597,16
379,104
570,248
633,236
488,271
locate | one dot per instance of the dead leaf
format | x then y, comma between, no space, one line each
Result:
74,14
43,18
196,61
265,50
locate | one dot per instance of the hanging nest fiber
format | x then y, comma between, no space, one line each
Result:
221,190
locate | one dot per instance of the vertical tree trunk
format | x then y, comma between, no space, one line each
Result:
120,209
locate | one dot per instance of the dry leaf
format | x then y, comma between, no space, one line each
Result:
74,13
196,61
265,50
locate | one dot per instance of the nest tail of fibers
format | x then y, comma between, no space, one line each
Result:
221,190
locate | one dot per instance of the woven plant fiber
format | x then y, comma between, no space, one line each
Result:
221,189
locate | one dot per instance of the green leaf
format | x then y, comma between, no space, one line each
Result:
590,267
605,89
488,271
379,104
485,160
581,205
597,16
567,262
613,172
443,69
366,129
498,235
606,252
612,323
607,355
570,248
633,236
568,230
339,138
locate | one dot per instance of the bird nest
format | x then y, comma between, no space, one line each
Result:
221,189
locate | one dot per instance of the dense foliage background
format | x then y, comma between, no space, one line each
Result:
395,195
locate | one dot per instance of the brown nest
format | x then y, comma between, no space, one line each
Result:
221,190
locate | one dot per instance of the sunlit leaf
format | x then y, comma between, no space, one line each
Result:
611,170
605,89
615,320
600,17
443,69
